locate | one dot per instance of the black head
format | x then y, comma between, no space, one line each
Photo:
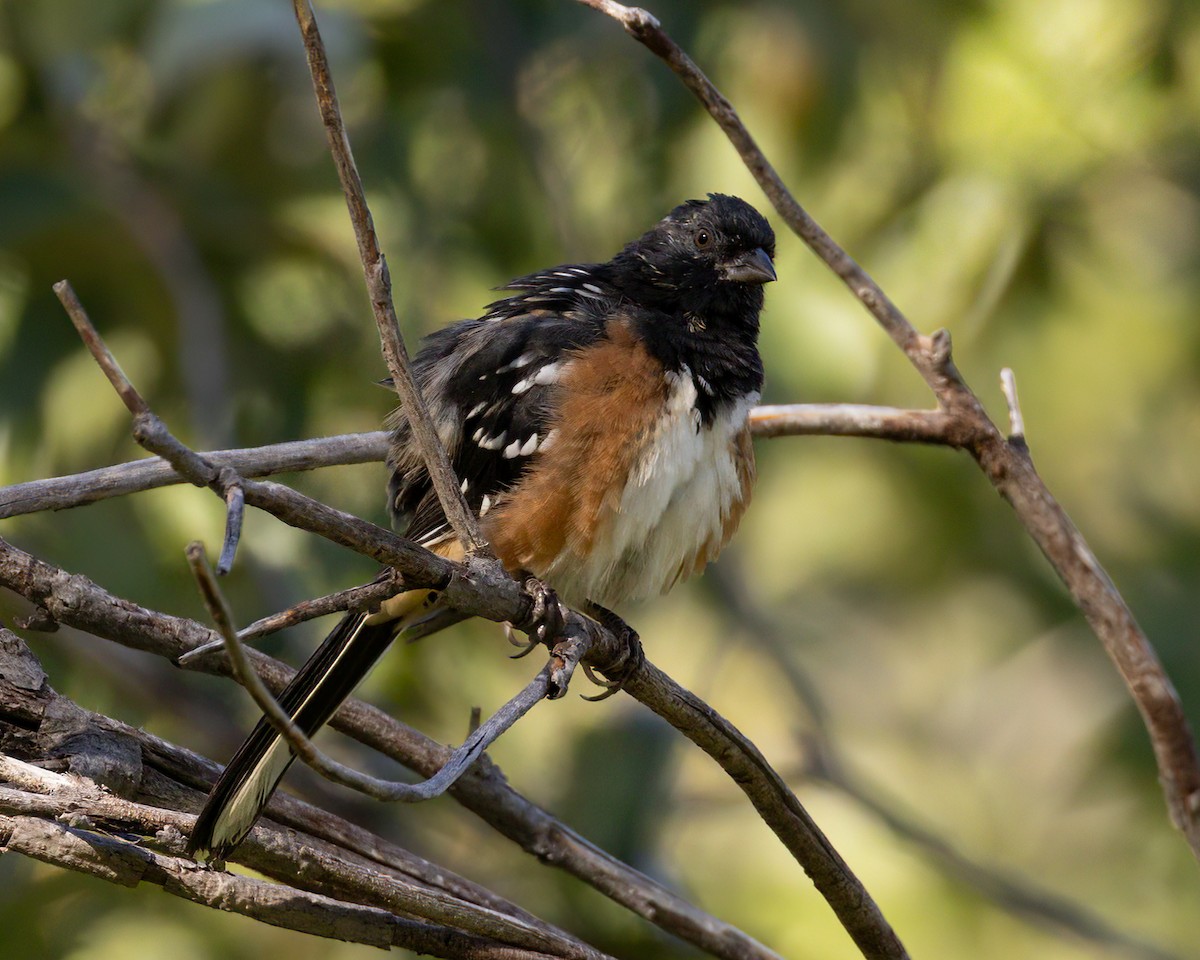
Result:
707,259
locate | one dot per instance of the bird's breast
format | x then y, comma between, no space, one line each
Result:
636,492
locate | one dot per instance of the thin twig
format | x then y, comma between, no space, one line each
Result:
133,400
1016,422
379,287
150,431
1006,465
363,597
386,790
235,510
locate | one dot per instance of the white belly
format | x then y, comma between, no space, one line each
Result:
683,488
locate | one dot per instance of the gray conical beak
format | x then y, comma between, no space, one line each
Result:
752,267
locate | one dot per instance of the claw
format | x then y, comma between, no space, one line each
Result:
611,687
630,663
527,646
546,615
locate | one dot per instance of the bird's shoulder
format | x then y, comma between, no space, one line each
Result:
578,291
491,383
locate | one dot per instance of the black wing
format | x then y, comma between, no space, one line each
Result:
490,388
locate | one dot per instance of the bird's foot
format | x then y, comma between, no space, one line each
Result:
630,662
546,619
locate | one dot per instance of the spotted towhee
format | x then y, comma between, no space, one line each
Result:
597,418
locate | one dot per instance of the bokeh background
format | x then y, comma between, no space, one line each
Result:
1022,172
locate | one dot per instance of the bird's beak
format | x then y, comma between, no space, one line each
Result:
753,267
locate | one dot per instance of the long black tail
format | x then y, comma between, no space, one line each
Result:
315,693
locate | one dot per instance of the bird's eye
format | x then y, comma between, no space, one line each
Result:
703,238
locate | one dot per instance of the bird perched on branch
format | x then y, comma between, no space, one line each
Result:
597,418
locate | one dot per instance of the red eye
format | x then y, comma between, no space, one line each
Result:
703,238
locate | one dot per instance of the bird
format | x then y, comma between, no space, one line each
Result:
597,416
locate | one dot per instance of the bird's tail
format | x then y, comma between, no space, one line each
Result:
313,696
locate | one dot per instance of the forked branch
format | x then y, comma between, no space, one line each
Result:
460,761
1006,463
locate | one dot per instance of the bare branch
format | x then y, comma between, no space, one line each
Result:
133,400
153,434
1016,422
76,601
387,790
1006,465
61,493
119,861
775,803
798,419
363,597
824,762
854,420
379,287
235,510
332,856
93,812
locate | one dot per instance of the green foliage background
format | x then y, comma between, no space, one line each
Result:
1022,172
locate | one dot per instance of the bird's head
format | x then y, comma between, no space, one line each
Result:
706,258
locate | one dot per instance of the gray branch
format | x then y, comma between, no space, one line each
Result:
78,602
1005,461
119,791
789,420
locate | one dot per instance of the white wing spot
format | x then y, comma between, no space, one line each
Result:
466,485
494,443
528,446
513,449
545,375
522,361
476,410
485,506
549,439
